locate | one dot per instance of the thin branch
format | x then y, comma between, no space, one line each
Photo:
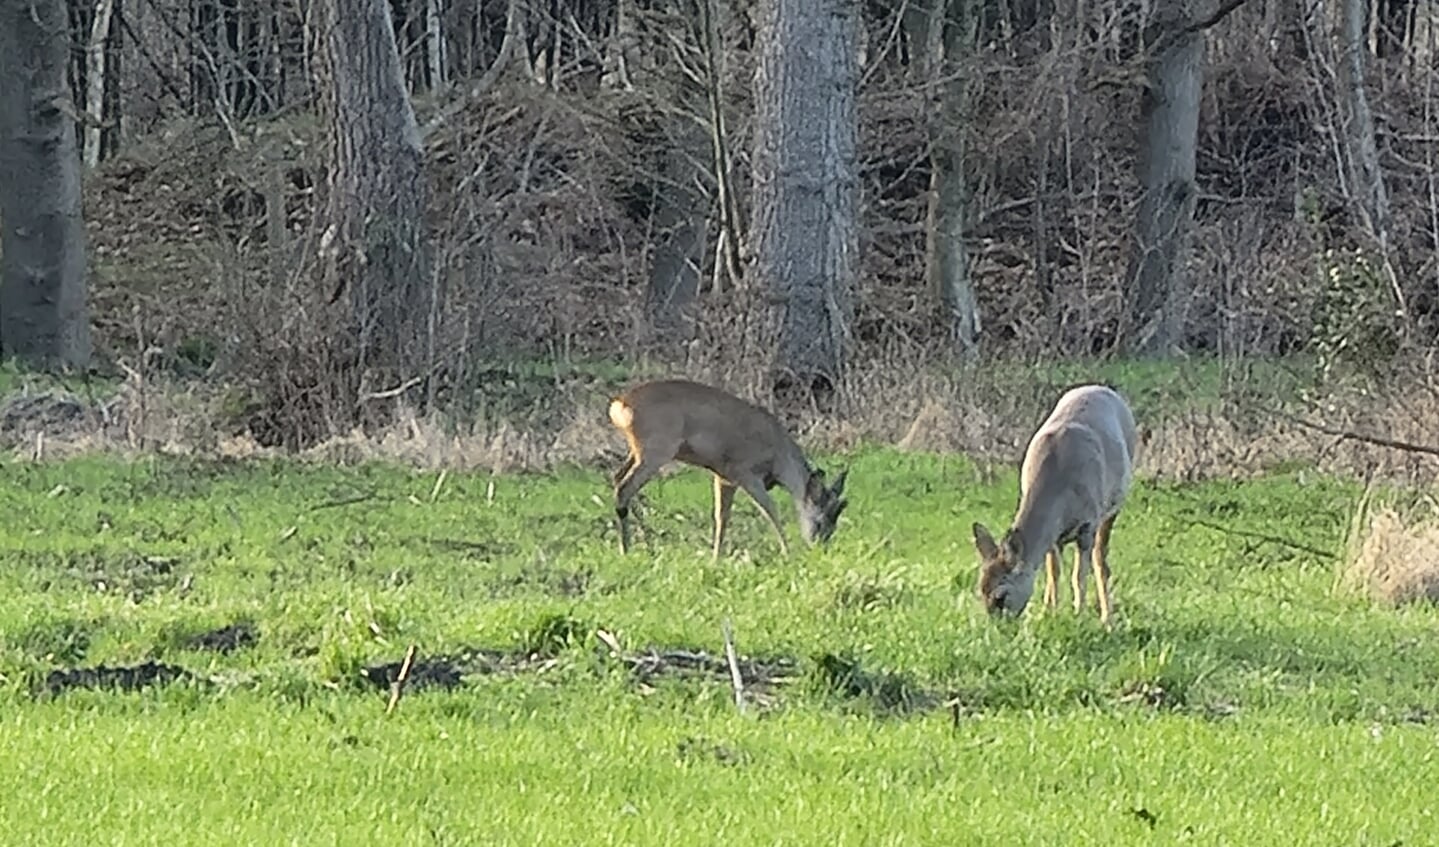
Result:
1272,539
888,45
396,391
400,679
736,679
1363,438
343,501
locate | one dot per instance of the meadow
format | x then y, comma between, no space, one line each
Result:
263,607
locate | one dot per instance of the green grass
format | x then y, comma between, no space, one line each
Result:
16,377
1239,700
1159,388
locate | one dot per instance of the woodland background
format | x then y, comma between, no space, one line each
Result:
1032,180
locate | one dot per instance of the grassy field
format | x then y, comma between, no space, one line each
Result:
1239,700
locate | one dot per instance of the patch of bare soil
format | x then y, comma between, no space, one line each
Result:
226,639
123,678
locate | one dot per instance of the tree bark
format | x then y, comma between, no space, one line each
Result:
805,173
1169,116
946,259
436,60
43,312
96,80
1365,174
375,243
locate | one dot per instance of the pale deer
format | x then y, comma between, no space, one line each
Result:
1076,474
742,444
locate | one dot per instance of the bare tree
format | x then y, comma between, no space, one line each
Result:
1169,118
805,172
43,314
375,239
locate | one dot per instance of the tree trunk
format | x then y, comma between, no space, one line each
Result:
43,314
946,260
375,241
96,80
805,173
712,24
1365,175
1169,115
679,215
435,56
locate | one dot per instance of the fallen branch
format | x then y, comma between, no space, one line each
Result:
1260,536
1351,435
342,501
396,391
399,686
736,679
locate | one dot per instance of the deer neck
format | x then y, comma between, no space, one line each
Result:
1036,529
793,473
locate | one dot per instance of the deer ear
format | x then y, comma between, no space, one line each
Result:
1015,545
984,542
838,488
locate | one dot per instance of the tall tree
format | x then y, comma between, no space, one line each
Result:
43,314
375,239
1365,174
951,28
1173,40
806,181
674,130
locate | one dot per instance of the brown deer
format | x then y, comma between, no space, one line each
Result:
1075,477
742,444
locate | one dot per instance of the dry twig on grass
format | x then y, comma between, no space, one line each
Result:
736,678
399,687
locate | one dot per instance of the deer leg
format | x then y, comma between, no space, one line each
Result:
1101,569
639,473
757,492
1051,578
724,499
622,517
623,470
1084,548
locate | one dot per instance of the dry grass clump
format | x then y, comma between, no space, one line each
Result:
1393,559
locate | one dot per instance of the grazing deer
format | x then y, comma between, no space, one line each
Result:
1076,474
742,444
